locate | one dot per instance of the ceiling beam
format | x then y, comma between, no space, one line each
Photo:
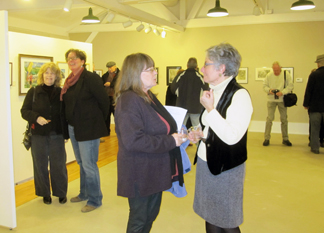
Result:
136,14
195,9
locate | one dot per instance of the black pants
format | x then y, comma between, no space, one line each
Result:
142,212
49,149
111,111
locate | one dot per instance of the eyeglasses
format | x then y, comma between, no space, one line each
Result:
209,64
150,70
71,59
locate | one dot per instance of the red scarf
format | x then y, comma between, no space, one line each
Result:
70,81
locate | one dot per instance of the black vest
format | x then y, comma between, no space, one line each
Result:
221,156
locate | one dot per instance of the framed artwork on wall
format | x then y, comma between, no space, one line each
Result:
290,70
171,73
29,66
65,71
157,76
242,76
99,72
10,73
261,73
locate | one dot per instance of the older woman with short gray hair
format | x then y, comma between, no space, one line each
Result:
222,153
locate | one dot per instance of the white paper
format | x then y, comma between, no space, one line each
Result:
177,113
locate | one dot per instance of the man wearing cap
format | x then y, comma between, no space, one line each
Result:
275,86
109,80
314,102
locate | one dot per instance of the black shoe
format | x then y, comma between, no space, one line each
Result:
47,200
62,200
315,151
322,144
286,142
266,142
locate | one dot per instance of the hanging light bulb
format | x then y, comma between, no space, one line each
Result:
163,33
110,17
302,5
140,27
217,11
156,31
90,18
148,29
67,5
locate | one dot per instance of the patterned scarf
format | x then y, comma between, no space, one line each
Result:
70,81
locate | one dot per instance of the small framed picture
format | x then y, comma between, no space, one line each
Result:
29,66
65,71
171,73
290,70
157,76
99,72
261,73
242,76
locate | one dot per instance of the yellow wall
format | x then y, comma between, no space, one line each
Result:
292,44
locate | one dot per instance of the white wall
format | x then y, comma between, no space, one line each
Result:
41,46
7,194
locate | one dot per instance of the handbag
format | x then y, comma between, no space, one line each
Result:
289,99
27,137
27,134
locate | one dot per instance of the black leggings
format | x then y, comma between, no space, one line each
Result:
215,229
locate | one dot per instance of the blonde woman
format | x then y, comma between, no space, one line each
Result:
42,109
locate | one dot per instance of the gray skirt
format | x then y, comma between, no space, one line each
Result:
219,199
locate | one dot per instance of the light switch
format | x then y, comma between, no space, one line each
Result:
299,80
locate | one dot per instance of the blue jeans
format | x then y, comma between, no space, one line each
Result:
86,155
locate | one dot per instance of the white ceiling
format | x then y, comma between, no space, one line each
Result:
46,17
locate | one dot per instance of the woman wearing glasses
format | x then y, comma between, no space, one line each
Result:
86,110
222,153
147,140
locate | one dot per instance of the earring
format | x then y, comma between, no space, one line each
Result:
220,74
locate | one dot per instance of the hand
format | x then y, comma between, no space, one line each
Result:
107,84
270,91
195,134
42,121
179,138
279,93
207,100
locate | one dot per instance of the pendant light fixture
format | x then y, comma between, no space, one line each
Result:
90,18
302,5
217,11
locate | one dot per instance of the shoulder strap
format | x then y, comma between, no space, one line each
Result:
34,94
285,79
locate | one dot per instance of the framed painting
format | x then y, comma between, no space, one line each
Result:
290,70
242,76
261,73
65,71
99,72
171,73
10,73
29,66
157,76
87,66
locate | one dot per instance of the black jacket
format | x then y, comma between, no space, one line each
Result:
314,94
86,107
50,109
189,85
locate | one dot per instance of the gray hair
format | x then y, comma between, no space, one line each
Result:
225,54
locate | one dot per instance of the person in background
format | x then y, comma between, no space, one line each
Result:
321,134
109,80
222,152
42,109
170,98
275,86
314,102
188,86
148,143
86,110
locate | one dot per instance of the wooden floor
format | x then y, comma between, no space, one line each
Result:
107,154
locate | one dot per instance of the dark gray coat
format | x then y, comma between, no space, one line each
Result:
143,158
